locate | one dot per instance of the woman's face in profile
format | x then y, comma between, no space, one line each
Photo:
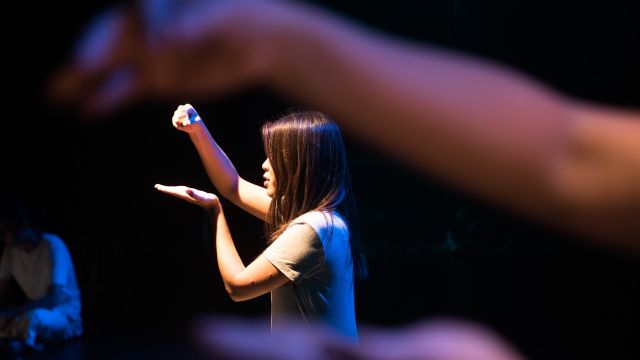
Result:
269,178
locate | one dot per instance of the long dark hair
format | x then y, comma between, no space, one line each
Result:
309,161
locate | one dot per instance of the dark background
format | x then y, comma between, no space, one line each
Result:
145,262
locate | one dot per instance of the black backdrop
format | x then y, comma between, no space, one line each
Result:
145,261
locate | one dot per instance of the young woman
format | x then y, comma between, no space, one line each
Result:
307,205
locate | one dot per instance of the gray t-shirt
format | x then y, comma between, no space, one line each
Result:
314,253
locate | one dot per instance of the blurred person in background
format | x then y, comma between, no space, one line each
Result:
41,265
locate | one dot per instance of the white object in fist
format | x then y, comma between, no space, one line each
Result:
184,116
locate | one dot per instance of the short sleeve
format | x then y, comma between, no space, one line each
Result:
4,264
60,260
297,252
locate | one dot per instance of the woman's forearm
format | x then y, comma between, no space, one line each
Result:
219,168
229,262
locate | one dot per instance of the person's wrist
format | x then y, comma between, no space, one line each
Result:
198,129
212,207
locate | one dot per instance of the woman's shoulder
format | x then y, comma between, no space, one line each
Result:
321,221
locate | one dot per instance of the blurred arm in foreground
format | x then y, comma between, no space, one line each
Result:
436,339
487,129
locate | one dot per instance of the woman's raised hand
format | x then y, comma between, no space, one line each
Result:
186,118
207,201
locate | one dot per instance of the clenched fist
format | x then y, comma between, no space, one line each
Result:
186,118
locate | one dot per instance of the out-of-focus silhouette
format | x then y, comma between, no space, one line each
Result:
435,339
482,127
40,264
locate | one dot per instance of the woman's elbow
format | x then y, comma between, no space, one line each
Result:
236,293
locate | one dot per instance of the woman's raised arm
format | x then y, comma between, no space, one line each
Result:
250,197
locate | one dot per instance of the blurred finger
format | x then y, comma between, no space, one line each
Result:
111,43
121,87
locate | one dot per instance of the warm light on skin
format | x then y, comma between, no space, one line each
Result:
269,178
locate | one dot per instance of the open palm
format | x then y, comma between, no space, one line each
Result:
204,199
